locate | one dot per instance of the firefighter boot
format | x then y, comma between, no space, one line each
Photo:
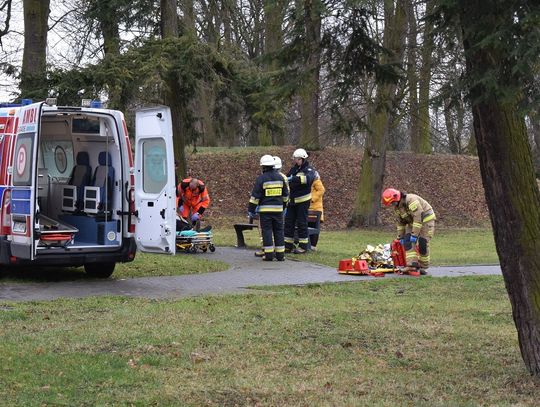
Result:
259,253
299,250
268,257
280,256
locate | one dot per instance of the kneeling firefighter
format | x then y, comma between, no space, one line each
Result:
270,194
415,225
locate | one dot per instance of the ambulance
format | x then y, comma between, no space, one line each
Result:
72,192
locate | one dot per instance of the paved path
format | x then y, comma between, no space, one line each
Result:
246,271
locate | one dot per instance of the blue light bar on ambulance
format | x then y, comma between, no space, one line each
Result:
96,104
25,102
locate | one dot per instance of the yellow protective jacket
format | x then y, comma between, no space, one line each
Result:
413,211
317,192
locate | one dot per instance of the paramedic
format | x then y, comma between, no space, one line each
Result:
193,199
317,192
415,225
269,195
300,177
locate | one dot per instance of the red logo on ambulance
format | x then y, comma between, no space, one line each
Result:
21,160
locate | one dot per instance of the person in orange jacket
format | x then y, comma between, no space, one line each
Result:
317,192
193,199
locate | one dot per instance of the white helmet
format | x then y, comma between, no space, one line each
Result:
277,163
267,161
300,153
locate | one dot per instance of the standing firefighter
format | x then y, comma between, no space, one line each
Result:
300,178
270,195
415,225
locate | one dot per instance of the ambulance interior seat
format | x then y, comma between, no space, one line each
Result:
73,193
101,187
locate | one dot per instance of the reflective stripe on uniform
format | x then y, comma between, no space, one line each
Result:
428,218
303,179
280,249
302,198
268,249
416,225
254,200
271,208
273,184
303,240
289,239
413,206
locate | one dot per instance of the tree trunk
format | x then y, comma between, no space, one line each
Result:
422,143
450,129
309,98
368,201
34,66
412,74
274,12
173,98
506,167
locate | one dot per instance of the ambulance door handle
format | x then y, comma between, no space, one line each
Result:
162,213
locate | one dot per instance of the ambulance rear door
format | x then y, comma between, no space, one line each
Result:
155,189
24,178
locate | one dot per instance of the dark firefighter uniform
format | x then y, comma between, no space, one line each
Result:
415,216
300,180
270,194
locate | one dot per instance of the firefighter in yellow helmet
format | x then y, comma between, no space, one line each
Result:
415,225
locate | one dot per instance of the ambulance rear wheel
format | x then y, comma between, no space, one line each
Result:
99,270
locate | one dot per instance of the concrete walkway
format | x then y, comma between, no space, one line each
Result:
246,271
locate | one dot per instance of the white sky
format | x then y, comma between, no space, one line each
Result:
13,43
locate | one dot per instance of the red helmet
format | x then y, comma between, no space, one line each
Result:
390,195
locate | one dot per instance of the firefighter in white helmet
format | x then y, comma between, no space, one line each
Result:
300,178
270,194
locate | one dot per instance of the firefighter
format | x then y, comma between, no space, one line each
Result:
193,199
269,197
415,225
300,177
277,166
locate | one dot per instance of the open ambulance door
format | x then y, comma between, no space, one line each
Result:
24,182
155,189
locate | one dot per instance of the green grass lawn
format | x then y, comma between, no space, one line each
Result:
428,341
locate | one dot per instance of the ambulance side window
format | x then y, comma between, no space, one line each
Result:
22,166
155,166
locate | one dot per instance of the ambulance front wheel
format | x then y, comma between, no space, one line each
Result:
212,248
99,270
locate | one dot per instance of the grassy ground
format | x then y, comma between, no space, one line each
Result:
448,247
444,341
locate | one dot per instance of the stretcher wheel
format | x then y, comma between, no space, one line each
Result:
193,249
212,248
204,249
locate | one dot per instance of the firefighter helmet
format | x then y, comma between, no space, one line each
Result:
390,195
300,153
267,161
277,163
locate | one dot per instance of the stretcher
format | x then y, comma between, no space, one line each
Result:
191,240
53,233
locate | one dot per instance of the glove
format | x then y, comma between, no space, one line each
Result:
413,239
181,209
251,215
289,178
195,217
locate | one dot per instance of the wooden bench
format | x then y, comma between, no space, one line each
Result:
239,229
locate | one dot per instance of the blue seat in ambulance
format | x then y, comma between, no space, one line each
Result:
73,193
98,195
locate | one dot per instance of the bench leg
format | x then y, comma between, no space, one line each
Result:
240,242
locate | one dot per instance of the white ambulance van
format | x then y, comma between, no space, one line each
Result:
71,192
